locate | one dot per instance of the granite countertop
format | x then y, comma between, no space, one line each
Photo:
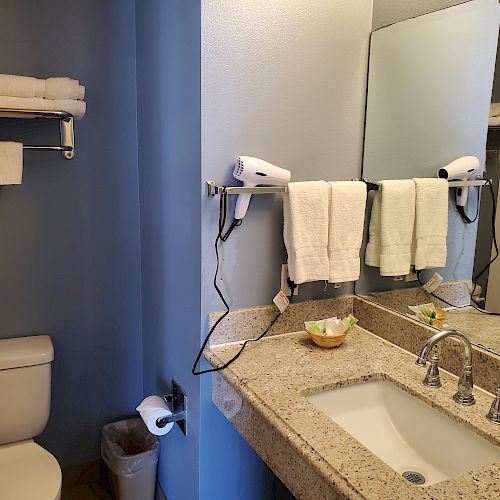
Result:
482,329
263,395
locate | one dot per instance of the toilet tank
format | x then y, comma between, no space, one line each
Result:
25,365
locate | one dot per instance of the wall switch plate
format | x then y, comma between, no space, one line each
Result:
284,284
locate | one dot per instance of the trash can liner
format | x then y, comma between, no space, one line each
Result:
127,446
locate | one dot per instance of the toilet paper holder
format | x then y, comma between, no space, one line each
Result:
177,402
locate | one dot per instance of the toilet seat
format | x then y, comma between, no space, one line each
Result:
28,471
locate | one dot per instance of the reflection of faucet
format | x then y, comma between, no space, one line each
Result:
464,394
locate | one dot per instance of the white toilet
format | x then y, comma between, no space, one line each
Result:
27,471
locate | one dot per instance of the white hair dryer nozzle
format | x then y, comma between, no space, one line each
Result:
254,172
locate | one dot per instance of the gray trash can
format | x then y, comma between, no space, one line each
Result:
131,453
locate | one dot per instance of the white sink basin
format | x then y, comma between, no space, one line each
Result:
413,438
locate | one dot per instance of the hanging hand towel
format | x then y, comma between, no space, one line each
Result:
431,226
305,230
11,163
347,216
391,228
495,109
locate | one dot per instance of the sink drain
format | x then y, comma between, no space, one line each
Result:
414,477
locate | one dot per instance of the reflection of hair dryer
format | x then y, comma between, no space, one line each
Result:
461,169
253,172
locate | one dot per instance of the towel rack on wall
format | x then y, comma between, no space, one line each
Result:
375,186
66,128
213,189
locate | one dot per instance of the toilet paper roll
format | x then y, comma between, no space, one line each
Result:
151,410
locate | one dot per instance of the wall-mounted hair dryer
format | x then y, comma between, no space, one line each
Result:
255,172
461,169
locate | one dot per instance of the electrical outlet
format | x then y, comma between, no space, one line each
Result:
411,276
284,284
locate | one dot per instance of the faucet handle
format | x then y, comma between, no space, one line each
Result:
494,413
432,378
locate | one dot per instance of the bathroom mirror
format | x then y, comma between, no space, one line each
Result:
429,92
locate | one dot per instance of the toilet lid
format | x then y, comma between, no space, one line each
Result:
27,471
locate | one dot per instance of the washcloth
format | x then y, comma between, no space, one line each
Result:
347,217
52,88
431,222
11,163
76,108
305,230
495,109
391,228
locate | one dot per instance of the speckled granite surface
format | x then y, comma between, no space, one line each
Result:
411,335
396,328
263,395
482,329
243,324
454,292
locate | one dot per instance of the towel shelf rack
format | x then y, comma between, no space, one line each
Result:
213,189
66,128
375,186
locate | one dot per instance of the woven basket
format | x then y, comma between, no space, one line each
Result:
328,341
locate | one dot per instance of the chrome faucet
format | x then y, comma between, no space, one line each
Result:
464,394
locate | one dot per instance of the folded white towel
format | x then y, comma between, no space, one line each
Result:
31,103
305,230
347,217
63,88
495,109
76,108
11,163
391,228
493,121
52,88
21,86
431,226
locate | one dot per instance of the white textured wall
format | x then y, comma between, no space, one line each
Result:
284,81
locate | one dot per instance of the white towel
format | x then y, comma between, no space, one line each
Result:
495,109
33,103
391,228
347,217
76,108
21,86
11,163
305,230
52,88
493,121
431,226
63,88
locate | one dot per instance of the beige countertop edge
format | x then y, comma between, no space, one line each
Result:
274,387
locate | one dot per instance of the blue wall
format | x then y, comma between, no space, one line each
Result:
168,70
70,252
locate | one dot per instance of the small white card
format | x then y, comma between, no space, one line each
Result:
281,301
433,283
